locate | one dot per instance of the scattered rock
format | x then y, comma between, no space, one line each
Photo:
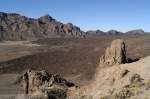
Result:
124,73
136,80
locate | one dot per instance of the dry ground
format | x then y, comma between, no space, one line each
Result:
74,58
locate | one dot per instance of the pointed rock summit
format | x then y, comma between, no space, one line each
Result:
46,18
115,54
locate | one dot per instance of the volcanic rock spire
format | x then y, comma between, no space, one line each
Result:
115,54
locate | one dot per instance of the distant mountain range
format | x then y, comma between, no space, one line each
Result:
115,32
16,27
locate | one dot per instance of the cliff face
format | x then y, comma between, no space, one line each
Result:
16,27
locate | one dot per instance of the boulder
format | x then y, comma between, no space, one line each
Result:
41,83
115,54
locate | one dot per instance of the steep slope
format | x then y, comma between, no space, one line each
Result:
16,27
120,81
115,81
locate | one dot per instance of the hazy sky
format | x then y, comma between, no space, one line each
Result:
122,15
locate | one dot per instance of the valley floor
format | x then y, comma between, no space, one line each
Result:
75,59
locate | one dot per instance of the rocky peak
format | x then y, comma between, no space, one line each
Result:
115,54
16,27
70,25
46,18
114,32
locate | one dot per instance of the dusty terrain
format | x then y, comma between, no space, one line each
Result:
75,59
110,82
118,78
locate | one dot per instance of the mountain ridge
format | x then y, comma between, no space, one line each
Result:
17,27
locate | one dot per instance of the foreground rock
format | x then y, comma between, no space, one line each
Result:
119,81
124,81
44,85
115,54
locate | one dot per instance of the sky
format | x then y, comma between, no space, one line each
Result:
122,15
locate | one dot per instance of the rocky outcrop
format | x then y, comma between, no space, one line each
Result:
44,84
16,27
124,81
120,81
115,54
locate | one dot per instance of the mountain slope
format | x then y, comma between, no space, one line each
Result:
16,27
126,81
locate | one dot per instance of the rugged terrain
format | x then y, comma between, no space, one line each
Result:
116,78
46,44
16,27
76,59
55,55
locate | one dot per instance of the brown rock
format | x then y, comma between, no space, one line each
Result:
115,54
33,81
16,27
40,82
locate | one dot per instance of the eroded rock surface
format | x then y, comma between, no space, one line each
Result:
16,27
40,83
115,54
119,80
123,81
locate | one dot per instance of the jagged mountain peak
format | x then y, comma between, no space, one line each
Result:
17,27
46,18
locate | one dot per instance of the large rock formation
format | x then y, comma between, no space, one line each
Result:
120,81
115,54
124,81
44,84
16,27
